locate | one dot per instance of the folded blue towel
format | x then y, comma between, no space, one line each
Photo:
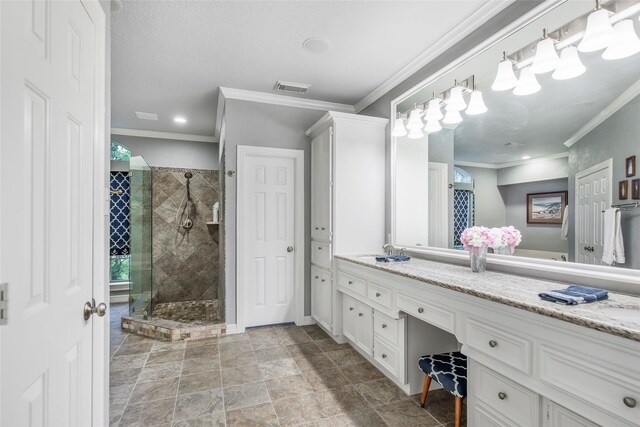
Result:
393,258
575,294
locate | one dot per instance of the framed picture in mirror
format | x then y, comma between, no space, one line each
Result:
546,208
630,166
623,190
635,189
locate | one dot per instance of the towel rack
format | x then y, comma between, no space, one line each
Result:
625,206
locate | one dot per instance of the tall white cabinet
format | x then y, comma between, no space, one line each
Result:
347,202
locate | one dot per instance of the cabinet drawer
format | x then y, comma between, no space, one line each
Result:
385,327
386,356
352,283
597,381
321,254
430,313
520,405
379,294
500,344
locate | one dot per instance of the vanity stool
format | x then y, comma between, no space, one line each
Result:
450,371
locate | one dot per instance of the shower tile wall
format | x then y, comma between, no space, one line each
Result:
185,263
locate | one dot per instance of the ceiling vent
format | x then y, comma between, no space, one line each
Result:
146,116
291,87
514,144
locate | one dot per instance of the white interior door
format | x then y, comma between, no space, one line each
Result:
47,156
593,196
267,235
438,205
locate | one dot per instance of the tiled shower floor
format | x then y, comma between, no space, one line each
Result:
268,376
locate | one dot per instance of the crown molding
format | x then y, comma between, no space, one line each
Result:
162,135
510,164
459,32
476,165
325,120
286,101
607,112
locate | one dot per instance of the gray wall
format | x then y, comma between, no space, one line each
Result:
542,237
172,153
490,207
264,125
617,138
441,151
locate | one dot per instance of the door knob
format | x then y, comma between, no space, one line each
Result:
91,308
290,249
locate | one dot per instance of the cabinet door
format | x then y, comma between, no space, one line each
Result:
325,299
364,328
321,186
349,316
558,416
316,294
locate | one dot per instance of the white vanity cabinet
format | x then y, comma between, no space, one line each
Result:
347,202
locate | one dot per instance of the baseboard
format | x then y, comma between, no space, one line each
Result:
307,320
115,299
233,329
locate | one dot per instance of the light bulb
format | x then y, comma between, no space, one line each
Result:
625,43
456,100
546,58
398,128
433,126
415,134
414,120
506,78
433,110
570,65
452,118
528,84
598,33
476,104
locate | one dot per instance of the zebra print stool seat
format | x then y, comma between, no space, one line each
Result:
450,371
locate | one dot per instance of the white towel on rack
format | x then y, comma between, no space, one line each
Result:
565,224
613,248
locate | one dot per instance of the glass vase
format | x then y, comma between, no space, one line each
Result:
478,257
504,250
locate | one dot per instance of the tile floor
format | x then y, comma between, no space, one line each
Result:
271,376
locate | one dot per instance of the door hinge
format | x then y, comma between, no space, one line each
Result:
4,303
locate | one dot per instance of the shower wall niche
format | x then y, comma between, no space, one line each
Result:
185,260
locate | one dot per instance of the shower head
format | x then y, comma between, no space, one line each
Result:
188,175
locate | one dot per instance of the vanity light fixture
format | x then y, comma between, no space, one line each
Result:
570,64
476,104
433,110
415,123
456,99
453,117
179,119
528,84
506,78
416,134
546,58
398,128
433,126
599,31
625,43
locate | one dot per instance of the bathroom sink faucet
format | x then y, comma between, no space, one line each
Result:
388,248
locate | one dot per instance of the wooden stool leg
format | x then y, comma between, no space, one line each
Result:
458,411
425,389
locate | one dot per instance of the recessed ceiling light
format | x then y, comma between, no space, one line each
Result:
315,45
526,157
179,119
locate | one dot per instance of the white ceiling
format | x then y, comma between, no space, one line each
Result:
170,57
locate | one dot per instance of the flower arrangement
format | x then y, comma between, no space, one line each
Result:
477,237
476,240
505,240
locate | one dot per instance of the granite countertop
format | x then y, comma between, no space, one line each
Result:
619,315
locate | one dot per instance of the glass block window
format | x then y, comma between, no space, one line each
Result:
119,152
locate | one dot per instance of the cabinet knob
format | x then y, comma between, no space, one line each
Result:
384,326
317,228
421,310
493,343
377,294
323,280
317,277
350,308
384,356
350,282
629,401
360,314
319,248
322,228
502,395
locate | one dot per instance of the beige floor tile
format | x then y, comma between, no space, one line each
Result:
303,349
232,361
165,356
327,379
380,392
199,382
317,362
161,371
199,365
148,413
129,361
241,375
338,400
278,368
345,357
217,419
298,409
154,390
331,345
361,373
241,396
201,351
198,405
262,415
273,353
124,376
406,413
363,418
262,342
294,385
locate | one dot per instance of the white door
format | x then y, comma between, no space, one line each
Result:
438,205
593,196
321,186
267,235
50,143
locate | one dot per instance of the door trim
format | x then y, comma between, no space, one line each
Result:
299,239
607,164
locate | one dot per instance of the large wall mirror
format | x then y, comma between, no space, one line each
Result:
554,149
